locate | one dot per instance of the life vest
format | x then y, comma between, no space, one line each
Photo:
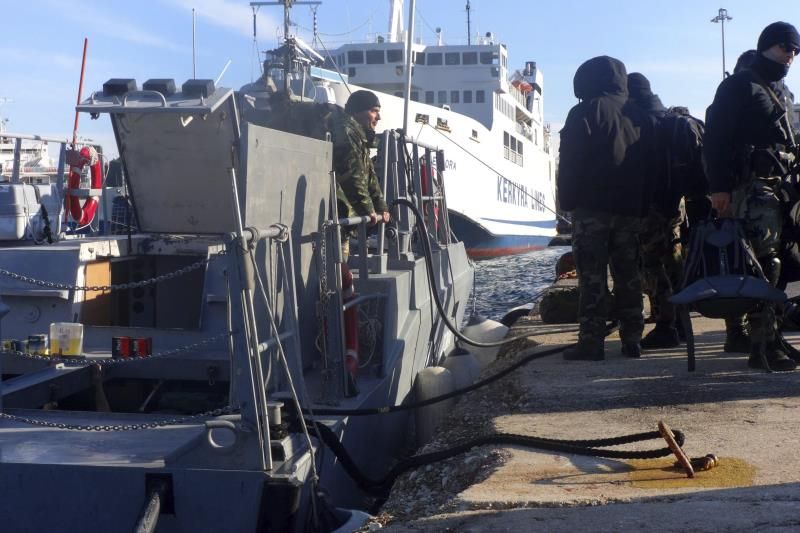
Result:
83,213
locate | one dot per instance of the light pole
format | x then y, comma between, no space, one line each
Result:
721,17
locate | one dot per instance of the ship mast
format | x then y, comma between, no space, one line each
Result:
395,21
469,25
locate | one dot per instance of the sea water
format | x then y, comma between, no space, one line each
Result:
503,283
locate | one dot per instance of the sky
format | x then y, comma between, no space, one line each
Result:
673,43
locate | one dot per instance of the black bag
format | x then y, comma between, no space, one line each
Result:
683,136
722,277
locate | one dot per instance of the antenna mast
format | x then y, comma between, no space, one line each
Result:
469,25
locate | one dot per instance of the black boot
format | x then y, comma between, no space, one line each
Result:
585,351
631,349
737,341
662,336
776,358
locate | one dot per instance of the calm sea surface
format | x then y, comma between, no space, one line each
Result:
507,282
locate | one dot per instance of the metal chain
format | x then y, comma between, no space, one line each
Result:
119,286
104,362
119,427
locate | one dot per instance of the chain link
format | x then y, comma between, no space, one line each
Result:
118,286
104,362
119,427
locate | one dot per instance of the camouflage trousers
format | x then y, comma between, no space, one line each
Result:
662,263
600,240
757,204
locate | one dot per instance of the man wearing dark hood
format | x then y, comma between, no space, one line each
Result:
660,237
605,146
748,136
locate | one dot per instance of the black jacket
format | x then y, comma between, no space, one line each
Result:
743,126
606,143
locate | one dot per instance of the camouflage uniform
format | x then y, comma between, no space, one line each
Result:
358,192
756,203
600,239
662,263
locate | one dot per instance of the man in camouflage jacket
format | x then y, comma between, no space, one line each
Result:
358,192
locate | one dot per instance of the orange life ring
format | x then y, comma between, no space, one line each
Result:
84,213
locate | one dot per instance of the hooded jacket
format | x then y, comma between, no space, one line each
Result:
605,144
743,125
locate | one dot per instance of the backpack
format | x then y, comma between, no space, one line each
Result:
722,277
683,136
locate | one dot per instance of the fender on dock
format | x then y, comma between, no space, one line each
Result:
431,382
464,367
482,329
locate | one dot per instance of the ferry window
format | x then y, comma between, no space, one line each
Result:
374,57
506,137
470,58
452,58
341,59
415,96
422,119
442,97
475,134
467,97
351,71
355,57
454,96
519,147
394,56
488,58
435,58
495,72
480,97
428,97
419,58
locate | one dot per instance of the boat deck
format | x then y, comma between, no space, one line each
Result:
748,418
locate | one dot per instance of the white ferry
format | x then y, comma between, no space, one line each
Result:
489,119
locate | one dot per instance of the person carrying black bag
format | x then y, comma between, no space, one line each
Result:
747,139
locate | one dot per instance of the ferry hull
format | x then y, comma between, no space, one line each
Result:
482,244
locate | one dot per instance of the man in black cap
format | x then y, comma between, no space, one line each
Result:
747,142
358,192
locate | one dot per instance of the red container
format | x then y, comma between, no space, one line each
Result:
120,347
142,347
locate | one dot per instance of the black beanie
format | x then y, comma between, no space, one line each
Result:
638,85
361,101
778,33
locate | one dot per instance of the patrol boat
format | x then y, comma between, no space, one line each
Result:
486,115
187,355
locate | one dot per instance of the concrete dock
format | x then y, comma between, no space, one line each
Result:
749,418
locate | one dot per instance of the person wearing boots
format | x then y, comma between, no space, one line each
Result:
748,133
606,145
660,237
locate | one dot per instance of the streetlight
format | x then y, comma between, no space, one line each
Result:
721,17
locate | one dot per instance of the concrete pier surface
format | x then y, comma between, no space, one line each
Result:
749,418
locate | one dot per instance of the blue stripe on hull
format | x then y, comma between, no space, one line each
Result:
481,244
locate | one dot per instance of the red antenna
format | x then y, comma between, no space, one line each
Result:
80,92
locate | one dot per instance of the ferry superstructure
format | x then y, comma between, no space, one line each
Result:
500,172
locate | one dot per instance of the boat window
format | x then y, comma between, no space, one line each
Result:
415,96
374,57
422,119
454,96
480,96
441,124
488,58
419,58
428,97
341,59
495,72
475,134
435,58
351,72
442,97
470,58
452,58
467,97
355,57
394,56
